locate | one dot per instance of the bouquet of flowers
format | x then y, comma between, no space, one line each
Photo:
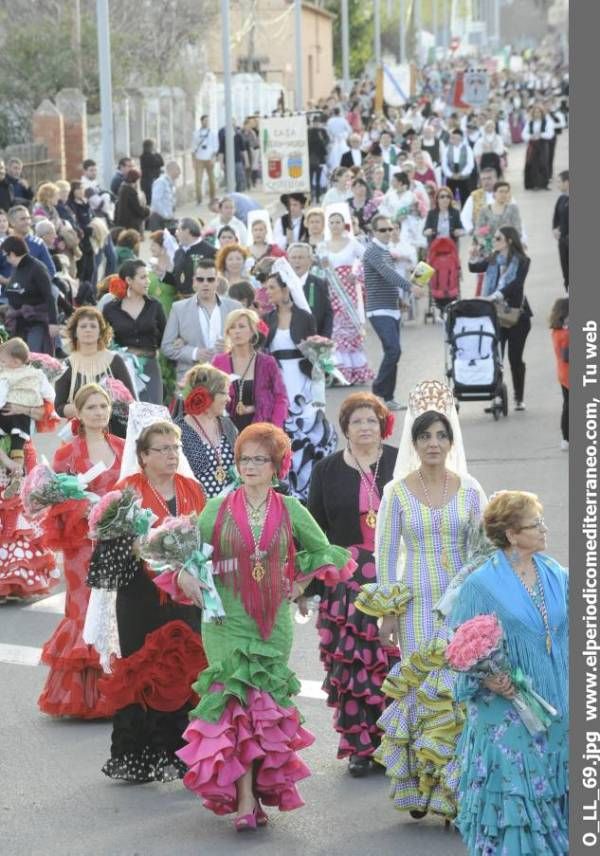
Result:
485,239
120,396
478,648
135,367
119,514
51,367
42,488
176,545
319,350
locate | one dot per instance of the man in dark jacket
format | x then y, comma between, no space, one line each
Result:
21,190
318,142
315,289
32,312
191,248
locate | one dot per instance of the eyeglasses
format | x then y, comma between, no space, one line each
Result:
385,230
259,460
165,450
539,524
205,278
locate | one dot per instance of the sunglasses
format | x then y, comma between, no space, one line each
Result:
205,278
385,230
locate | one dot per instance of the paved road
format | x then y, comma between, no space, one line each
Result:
55,802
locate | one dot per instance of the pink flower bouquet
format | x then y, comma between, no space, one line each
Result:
119,513
478,649
51,367
43,488
120,396
176,545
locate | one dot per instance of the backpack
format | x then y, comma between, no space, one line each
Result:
443,256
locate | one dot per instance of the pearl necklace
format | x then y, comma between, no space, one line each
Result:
437,520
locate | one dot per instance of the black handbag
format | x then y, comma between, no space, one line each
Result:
507,315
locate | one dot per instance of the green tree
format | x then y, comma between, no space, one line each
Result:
360,26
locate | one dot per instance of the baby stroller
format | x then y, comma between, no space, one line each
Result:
473,356
444,285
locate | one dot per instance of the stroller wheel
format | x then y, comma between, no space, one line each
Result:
504,394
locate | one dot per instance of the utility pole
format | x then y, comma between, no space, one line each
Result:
106,114
497,34
229,147
434,22
76,43
298,40
345,47
377,31
402,33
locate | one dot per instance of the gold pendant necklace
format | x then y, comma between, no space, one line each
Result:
371,487
444,561
220,471
258,557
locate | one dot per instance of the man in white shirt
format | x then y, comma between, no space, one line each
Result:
99,200
194,331
164,197
227,217
389,153
457,165
205,145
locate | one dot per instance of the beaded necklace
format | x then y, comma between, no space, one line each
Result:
220,472
161,500
536,593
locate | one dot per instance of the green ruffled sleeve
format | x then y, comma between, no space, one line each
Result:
378,600
317,556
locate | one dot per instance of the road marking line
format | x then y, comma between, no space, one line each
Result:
27,655
20,655
55,604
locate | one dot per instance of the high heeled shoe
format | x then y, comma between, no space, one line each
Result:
246,821
262,818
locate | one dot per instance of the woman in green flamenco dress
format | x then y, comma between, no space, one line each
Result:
245,732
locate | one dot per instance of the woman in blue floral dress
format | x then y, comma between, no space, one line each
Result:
513,787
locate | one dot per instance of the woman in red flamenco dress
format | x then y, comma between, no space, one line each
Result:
27,567
158,639
71,688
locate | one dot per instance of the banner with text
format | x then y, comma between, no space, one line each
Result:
284,153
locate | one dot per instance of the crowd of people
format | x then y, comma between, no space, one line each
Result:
198,380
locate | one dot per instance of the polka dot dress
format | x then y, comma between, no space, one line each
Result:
204,460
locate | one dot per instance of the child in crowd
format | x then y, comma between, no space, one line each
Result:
22,388
559,326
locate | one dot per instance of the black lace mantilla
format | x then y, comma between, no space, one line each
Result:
113,564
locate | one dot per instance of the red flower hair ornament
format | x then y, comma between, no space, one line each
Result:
286,463
262,328
117,287
75,427
389,425
197,401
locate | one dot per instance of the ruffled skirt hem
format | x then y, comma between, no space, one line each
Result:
146,766
259,734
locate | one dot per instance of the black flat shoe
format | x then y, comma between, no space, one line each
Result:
377,768
359,767
416,814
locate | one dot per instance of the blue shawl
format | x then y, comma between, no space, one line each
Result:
495,588
493,280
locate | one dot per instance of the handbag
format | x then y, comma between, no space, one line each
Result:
507,315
